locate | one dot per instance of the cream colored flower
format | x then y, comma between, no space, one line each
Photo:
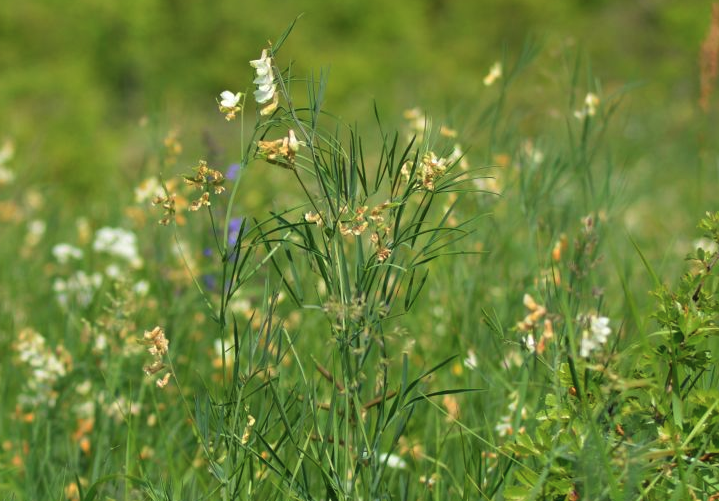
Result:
495,73
229,99
266,92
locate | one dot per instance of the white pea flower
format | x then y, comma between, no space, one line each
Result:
230,103
266,92
228,99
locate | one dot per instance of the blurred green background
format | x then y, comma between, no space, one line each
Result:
77,77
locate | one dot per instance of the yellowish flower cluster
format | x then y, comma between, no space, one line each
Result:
359,223
205,179
430,169
157,345
280,152
530,322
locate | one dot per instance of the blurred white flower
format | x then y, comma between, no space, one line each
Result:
63,253
393,461
471,361
495,73
148,190
141,288
591,102
595,336
35,231
118,243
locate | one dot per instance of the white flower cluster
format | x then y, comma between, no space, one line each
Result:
63,253
46,369
266,92
148,189
595,336
78,289
119,243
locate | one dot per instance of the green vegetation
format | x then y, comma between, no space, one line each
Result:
462,264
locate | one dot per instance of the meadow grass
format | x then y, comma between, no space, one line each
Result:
445,309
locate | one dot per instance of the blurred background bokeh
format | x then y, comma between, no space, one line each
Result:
80,81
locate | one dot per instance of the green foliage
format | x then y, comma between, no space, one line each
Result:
450,309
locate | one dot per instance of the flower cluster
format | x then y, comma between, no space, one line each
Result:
157,345
79,288
591,103
47,367
431,168
266,93
529,325
280,152
594,335
169,205
205,179
63,253
120,243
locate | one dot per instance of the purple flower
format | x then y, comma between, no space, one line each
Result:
232,171
233,233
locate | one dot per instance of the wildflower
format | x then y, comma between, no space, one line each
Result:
157,345
35,231
232,172
230,104
46,366
450,403
168,203
471,361
447,132
431,168
393,461
495,73
79,288
118,242
63,253
203,201
248,429
591,102
536,312
162,382
312,217
6,153
266,88
280,152
148,189
233,230
595,335
206,178
157,341
173,147
418,123
457,155
382,254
